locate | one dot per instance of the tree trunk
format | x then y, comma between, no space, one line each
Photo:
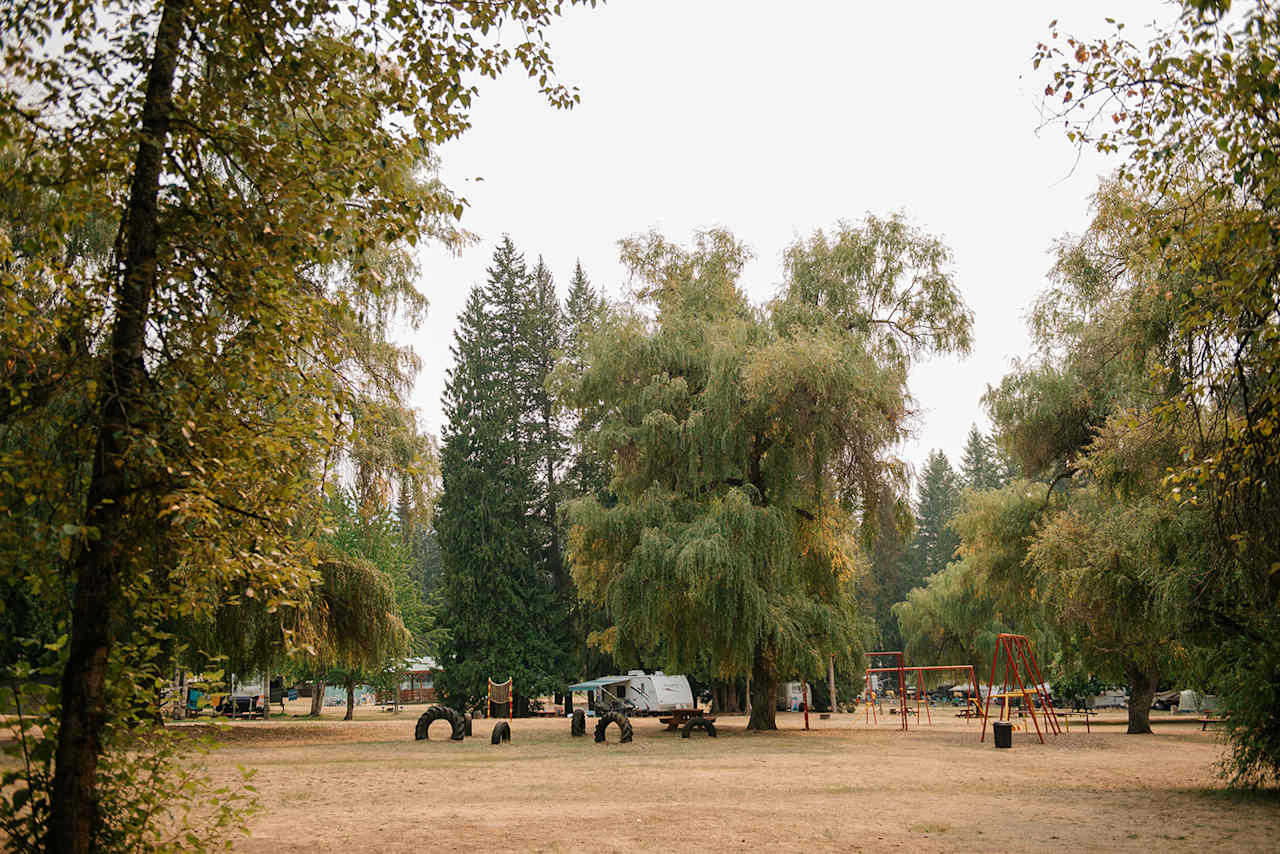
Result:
73,806
266,694
317,697
1142,690
726,697
351,698
764,689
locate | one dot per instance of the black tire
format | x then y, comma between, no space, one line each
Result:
436,713
697,723
624,726
466,724
579,724
501,733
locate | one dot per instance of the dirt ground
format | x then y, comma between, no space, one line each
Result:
844,786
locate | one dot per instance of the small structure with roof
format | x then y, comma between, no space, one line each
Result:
417,683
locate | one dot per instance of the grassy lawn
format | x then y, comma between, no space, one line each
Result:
329,786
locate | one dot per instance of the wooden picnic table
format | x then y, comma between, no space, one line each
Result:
677,718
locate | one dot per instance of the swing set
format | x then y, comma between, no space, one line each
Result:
918,689
1020,670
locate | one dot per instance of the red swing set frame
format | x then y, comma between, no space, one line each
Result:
1019,661
902,670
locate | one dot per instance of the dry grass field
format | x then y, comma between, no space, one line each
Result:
329,786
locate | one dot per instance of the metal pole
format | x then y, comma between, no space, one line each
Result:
902,691
870,707
975,697
831,680
1008,662
804,698
991,684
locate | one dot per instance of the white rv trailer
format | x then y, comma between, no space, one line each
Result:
639,693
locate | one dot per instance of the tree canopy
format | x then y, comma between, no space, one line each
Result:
749,446
1189,111
503,595
256,163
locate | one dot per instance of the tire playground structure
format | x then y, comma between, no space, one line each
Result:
501,733
697,723
624,727
436,713
578,725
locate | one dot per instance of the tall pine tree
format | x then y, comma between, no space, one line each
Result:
587,473
544,437
584,309
498,598
937,500
981,467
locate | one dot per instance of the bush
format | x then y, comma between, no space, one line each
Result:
153,794
1247,685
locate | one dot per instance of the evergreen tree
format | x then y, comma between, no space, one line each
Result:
426,567
982,467
545,441
937,501
498,601
888,581
588,472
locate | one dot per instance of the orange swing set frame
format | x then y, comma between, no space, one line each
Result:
1019,662
920,694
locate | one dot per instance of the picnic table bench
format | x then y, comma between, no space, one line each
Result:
677,718
1210,719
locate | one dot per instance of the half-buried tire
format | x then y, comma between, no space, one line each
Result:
697,723
624,726
501,733
436,713
466,724
579,724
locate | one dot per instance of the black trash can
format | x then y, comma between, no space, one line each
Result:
1003,732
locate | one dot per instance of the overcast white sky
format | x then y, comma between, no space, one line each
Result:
774,119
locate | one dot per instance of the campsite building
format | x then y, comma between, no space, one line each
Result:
417,683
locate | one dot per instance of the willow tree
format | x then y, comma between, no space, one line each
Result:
1197,100
952,619
747,445
245,153
1080,414
350,621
